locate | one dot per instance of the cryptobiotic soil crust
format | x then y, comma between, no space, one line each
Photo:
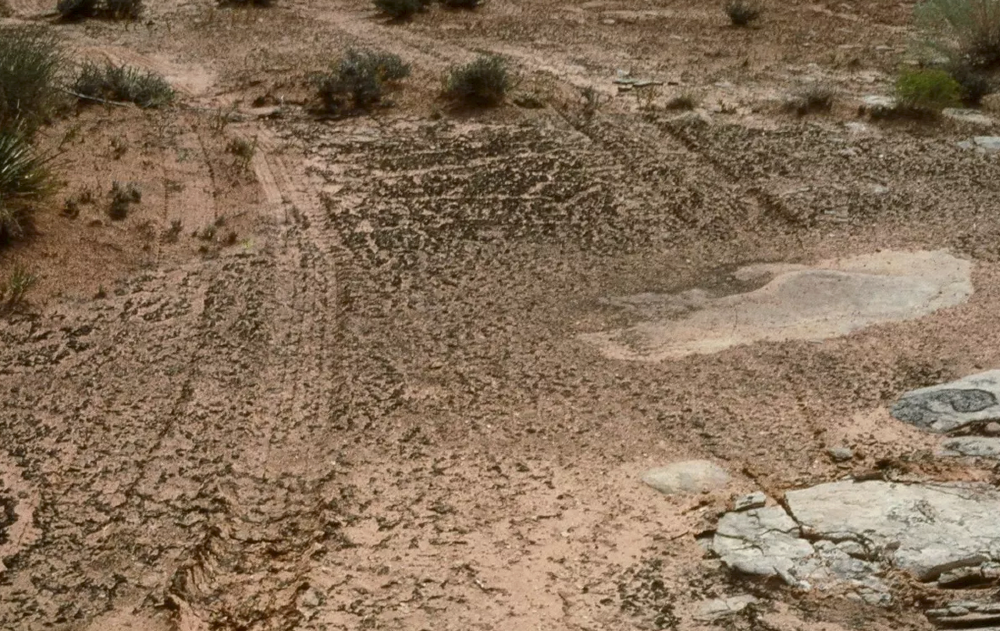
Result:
379,404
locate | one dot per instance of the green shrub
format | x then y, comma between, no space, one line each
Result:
30,60
742,12
927,90
358,80
123,83
24,180
483,82
400,9
963,30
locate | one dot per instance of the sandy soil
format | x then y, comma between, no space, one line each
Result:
371,407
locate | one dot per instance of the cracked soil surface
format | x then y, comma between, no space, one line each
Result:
373,407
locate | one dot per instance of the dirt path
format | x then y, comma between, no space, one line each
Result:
375,407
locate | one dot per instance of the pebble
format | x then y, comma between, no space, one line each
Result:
840,454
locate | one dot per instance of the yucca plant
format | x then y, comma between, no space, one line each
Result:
30,61
24,179
483,82
123,83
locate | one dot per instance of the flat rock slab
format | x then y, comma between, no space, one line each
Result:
971,447
849,534
945,408
689,477
828,300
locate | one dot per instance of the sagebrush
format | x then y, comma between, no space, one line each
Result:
358,80
123,83
483,82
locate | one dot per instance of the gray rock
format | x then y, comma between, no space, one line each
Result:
692,476
992,429
762,542
718,608
747,502
928,529
945,408
969,117
840,454
989,144
972,446
850,534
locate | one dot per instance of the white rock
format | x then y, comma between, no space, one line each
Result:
689,477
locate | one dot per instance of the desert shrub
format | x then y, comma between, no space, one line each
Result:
966,30
685,101
400,9
112,9
24,179
244,150
928,90
30,60
5,9
461,4
483,82
122,198
742,12
124,9
814,98
358,80
123,83
974,81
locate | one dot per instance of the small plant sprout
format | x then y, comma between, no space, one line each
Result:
122,197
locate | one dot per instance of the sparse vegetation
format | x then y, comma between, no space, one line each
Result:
110,9
814,98
963,30
24,180
5,9
685,101
30,61
742,12
122,198
173,233
484,82
358,81
400,9
927,90
123,83
244,150
17,284
975,82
